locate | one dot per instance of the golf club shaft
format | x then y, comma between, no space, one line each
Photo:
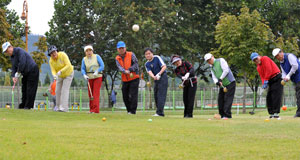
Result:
90,89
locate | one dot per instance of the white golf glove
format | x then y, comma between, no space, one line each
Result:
286,78
157,76
17,75
86,77
186,76
58,73
95,73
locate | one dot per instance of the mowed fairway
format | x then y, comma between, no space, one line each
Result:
51,135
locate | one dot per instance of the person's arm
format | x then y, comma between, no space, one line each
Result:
83,68
53,71
283,72
21,60
162,65
67,63
135,65
120,67
148,70
215,79
294,64
101,63
225,68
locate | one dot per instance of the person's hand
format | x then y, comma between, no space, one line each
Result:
219,83
286,79
58,73
86,77
265,85
15,79
186,76
127,72
157,76
95,73
17,75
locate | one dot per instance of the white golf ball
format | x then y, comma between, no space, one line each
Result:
135,28
149,120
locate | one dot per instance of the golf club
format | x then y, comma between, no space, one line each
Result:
283,82
224,88
182,84
91,98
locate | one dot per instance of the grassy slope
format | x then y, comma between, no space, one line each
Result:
52,135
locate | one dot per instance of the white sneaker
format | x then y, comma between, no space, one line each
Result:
55,108
155,115
225,118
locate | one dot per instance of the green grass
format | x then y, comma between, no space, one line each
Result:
51,135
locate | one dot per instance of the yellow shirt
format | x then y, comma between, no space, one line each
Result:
62,64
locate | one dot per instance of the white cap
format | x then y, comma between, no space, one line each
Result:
207,56
5,46
276,51
88,47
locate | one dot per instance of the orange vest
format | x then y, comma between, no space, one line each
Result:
126,64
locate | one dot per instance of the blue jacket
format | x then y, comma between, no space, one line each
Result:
21,62
286,66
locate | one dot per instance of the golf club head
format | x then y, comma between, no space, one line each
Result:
282,82
181,86
225,89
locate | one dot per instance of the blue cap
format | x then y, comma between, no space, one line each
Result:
254,55
121,44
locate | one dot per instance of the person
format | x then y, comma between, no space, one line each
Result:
185,71
222,77
53,94
91,67
290,69
156,68
62,71
23,64
128,64
270,76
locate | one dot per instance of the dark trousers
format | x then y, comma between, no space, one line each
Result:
298,98
160,93
189,93
225,100
130,95
274,95
29,88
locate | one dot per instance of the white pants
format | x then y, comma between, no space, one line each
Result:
62,92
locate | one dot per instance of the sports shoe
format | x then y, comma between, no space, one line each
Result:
155,115
271,116
225,118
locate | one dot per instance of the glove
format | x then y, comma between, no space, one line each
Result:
186,76
55,77
58,73
265,85
157,76
86,77
95,73
17,75
219,82
286,79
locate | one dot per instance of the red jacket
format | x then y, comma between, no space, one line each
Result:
267,69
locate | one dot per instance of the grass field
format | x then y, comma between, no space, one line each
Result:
30,134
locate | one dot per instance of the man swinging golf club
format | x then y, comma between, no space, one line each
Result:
22,63
270,76
223,77
290,69
91,67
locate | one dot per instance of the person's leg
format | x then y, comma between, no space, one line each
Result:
221,102
133,91
229,95
276,93
191,99
269,103
162,88
297,88
96,93
185,100
125,93
24,89
58,91
32,84
65,93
